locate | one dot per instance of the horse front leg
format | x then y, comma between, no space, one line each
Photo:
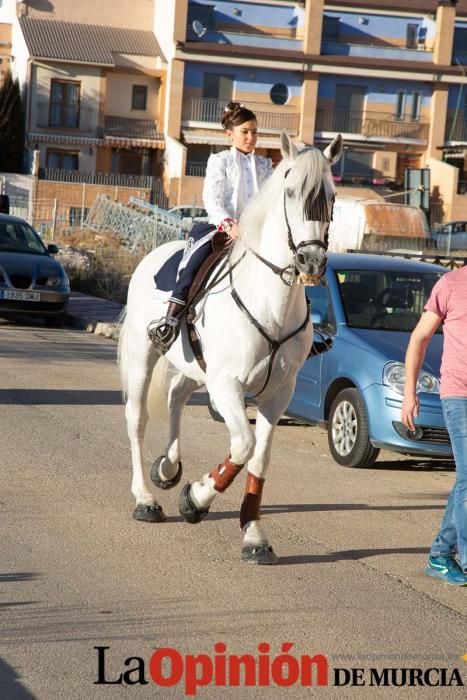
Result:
167,470
196,498
256,546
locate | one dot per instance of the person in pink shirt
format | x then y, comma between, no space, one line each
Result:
448,305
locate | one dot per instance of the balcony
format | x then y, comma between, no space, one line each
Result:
369,51
371,125
271,118
456,130
83,119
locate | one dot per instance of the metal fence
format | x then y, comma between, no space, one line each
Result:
270,117
370,124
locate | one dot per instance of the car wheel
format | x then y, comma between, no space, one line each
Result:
348,431
214,412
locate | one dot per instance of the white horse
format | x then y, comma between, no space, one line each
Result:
255,331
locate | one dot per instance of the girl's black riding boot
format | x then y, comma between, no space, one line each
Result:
164,332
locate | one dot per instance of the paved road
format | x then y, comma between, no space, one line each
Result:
77,572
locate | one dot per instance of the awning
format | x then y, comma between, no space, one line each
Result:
64,139
126,142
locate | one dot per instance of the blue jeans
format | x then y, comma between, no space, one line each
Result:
452,536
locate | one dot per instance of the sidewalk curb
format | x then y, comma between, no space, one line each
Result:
108,330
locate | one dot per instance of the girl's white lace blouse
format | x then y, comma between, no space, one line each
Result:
224,191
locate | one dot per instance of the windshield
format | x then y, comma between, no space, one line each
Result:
384,299
16,237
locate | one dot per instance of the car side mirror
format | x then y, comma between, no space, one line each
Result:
52,249
316,317
322,342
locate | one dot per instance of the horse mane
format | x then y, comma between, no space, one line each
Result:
307,175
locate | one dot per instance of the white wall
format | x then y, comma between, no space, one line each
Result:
7,11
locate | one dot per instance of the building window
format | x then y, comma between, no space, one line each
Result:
400,105
64,104
76,215
331,28
201,13
415,107
279,94
64,160
217,86
139,97
412,34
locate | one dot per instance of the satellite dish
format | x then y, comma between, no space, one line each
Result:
198,28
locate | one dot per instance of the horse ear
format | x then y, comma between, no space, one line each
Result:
288,148
334,151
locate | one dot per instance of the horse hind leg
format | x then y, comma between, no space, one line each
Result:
139,374
167,470
196,498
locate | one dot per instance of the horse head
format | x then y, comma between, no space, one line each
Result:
308,198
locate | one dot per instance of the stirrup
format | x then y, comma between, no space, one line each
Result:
163,332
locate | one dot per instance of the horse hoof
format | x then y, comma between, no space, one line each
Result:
259,554
149,514
189,512
164,483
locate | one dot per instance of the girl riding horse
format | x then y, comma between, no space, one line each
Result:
233,177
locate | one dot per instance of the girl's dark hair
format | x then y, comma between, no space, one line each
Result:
235,114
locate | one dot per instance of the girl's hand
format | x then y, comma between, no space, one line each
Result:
234,232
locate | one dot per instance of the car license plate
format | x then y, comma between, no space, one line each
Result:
19,296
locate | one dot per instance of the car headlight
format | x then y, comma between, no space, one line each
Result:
58,281
394,377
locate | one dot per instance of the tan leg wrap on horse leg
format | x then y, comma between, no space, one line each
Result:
252,500
224,474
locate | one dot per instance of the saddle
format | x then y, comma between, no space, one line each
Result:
220,246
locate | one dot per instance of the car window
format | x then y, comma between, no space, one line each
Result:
17,237
384,299
319,297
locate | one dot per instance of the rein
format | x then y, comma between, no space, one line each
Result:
274,345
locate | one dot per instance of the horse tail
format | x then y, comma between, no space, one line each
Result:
157,401
122,352
161,378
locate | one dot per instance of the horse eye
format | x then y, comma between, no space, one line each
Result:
290,193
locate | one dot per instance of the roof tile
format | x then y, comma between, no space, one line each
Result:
85,43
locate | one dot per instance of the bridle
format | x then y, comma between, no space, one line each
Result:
289,273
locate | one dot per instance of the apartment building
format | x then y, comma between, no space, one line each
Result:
140,94
93,78
390,76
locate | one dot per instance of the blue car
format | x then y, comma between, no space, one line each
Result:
355,389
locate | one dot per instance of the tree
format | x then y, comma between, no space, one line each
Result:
11,126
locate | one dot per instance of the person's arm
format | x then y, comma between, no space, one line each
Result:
419,340
213,189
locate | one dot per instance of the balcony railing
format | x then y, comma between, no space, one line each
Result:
456,131
93,178
196,169
83,119
370,124
270,117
